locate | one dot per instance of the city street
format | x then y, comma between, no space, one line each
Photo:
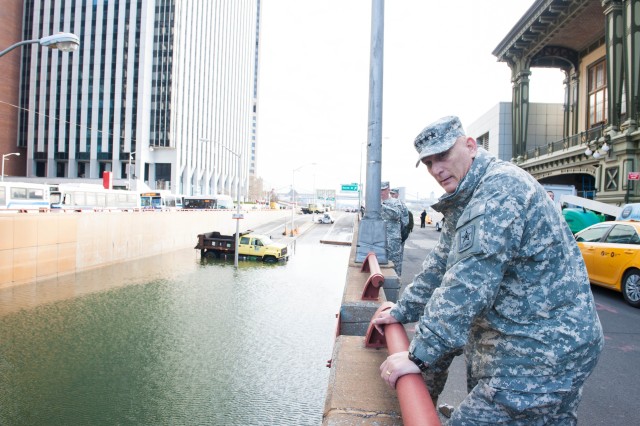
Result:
610,394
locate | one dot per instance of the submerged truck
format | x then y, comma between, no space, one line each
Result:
250,246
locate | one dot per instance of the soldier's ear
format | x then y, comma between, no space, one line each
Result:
472,146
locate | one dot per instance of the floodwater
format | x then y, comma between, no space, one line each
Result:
173,340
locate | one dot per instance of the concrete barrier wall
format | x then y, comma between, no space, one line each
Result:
36,246
356,395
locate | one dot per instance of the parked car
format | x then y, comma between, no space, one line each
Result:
439,224
611,251
326,218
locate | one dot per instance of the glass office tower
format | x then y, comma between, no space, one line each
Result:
168,87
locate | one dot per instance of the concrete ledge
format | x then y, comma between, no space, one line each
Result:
355,313
391,284
356,395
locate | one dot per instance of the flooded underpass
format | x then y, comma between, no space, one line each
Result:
174,340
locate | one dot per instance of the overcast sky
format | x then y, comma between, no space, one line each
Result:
314,84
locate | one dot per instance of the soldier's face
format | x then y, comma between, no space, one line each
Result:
450,167
384,194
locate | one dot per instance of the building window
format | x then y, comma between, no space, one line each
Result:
61,169
163,171
483,141
83,169
124,169
41,169
597,108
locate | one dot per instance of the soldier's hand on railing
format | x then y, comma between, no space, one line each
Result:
395,366
382,318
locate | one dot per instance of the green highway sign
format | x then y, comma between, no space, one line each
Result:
350,187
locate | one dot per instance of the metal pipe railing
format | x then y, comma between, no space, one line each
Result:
376,279
416,404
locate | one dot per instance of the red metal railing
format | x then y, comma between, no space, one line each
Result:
376,279
416,404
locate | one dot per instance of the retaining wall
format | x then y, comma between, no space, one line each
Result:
36,246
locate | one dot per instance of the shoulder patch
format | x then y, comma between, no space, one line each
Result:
466,237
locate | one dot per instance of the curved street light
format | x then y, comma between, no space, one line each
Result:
4,156
66,42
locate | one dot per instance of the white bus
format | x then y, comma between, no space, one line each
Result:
22,196
89,197
160,200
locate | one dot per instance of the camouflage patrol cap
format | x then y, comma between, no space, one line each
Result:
438,137
384,185
395,190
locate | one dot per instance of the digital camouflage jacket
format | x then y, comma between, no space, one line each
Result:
391,213
506,281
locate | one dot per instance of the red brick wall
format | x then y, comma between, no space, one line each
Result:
11,24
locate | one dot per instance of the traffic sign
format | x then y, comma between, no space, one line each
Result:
634,176
350,187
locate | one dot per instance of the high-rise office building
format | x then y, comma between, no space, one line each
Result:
166,86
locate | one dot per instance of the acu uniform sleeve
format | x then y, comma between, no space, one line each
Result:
412,302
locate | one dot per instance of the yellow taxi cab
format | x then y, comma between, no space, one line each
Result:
611,252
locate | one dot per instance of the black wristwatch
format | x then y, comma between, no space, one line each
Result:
417,361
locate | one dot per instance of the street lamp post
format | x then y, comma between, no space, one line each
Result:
360,182
66,42
372,231
4,156
236,216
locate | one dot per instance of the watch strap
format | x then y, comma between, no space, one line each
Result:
417,361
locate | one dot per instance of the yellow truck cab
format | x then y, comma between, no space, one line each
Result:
262,246
250,245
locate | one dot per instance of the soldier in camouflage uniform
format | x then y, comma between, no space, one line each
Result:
391,212
506,282
404,219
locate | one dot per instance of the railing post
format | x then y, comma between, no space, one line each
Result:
416,404
376,279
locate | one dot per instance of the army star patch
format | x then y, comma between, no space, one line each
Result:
465,238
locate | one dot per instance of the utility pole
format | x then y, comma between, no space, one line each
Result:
372,232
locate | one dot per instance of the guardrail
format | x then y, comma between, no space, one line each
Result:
582,138
371,289
416,404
